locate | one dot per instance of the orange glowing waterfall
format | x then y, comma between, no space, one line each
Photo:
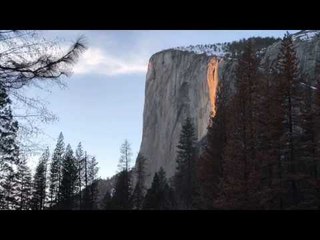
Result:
212,77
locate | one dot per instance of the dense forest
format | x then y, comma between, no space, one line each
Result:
262,149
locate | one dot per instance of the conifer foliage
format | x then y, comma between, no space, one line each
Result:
239,164
23,186
39,197
209,165
185,177
92,188
80,164
123,188
160,196
9,151
263,155
55,176
139,190
69,178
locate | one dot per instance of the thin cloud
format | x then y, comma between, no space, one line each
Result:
95,60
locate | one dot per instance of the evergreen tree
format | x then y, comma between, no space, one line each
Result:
80,166
316,131
209,166
241,166
160,196
139,190
121,196
86,191
288,85
23,186
9,151
40,182
107,201
55,171
269,130
8,194
307,147
93,183
125,157
69,178
122,192
316,120
185,177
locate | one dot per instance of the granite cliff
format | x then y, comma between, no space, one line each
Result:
182,82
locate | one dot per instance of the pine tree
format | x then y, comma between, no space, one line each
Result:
23,186
121,195
269,130
93,182
107,201
122,192
8,194
9,151
86,191
288,85
307,147
69,178
185,177
40,182
209,166
241,167
316,117
139,190
316,131
80,166
125,157
160,196
55,171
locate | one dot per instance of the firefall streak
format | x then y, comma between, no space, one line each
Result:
213,79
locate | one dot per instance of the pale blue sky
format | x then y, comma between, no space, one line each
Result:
103,103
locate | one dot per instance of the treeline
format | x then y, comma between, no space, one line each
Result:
178,192
72,179
262,148
67,182
129,191
236,48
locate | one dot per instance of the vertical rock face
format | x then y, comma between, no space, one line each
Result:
177,87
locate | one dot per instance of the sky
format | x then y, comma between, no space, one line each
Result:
102,104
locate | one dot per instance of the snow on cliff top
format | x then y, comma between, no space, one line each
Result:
220,49
208,49
305,35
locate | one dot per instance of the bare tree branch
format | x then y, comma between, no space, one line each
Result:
29,60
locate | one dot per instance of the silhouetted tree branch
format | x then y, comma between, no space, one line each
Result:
26,59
